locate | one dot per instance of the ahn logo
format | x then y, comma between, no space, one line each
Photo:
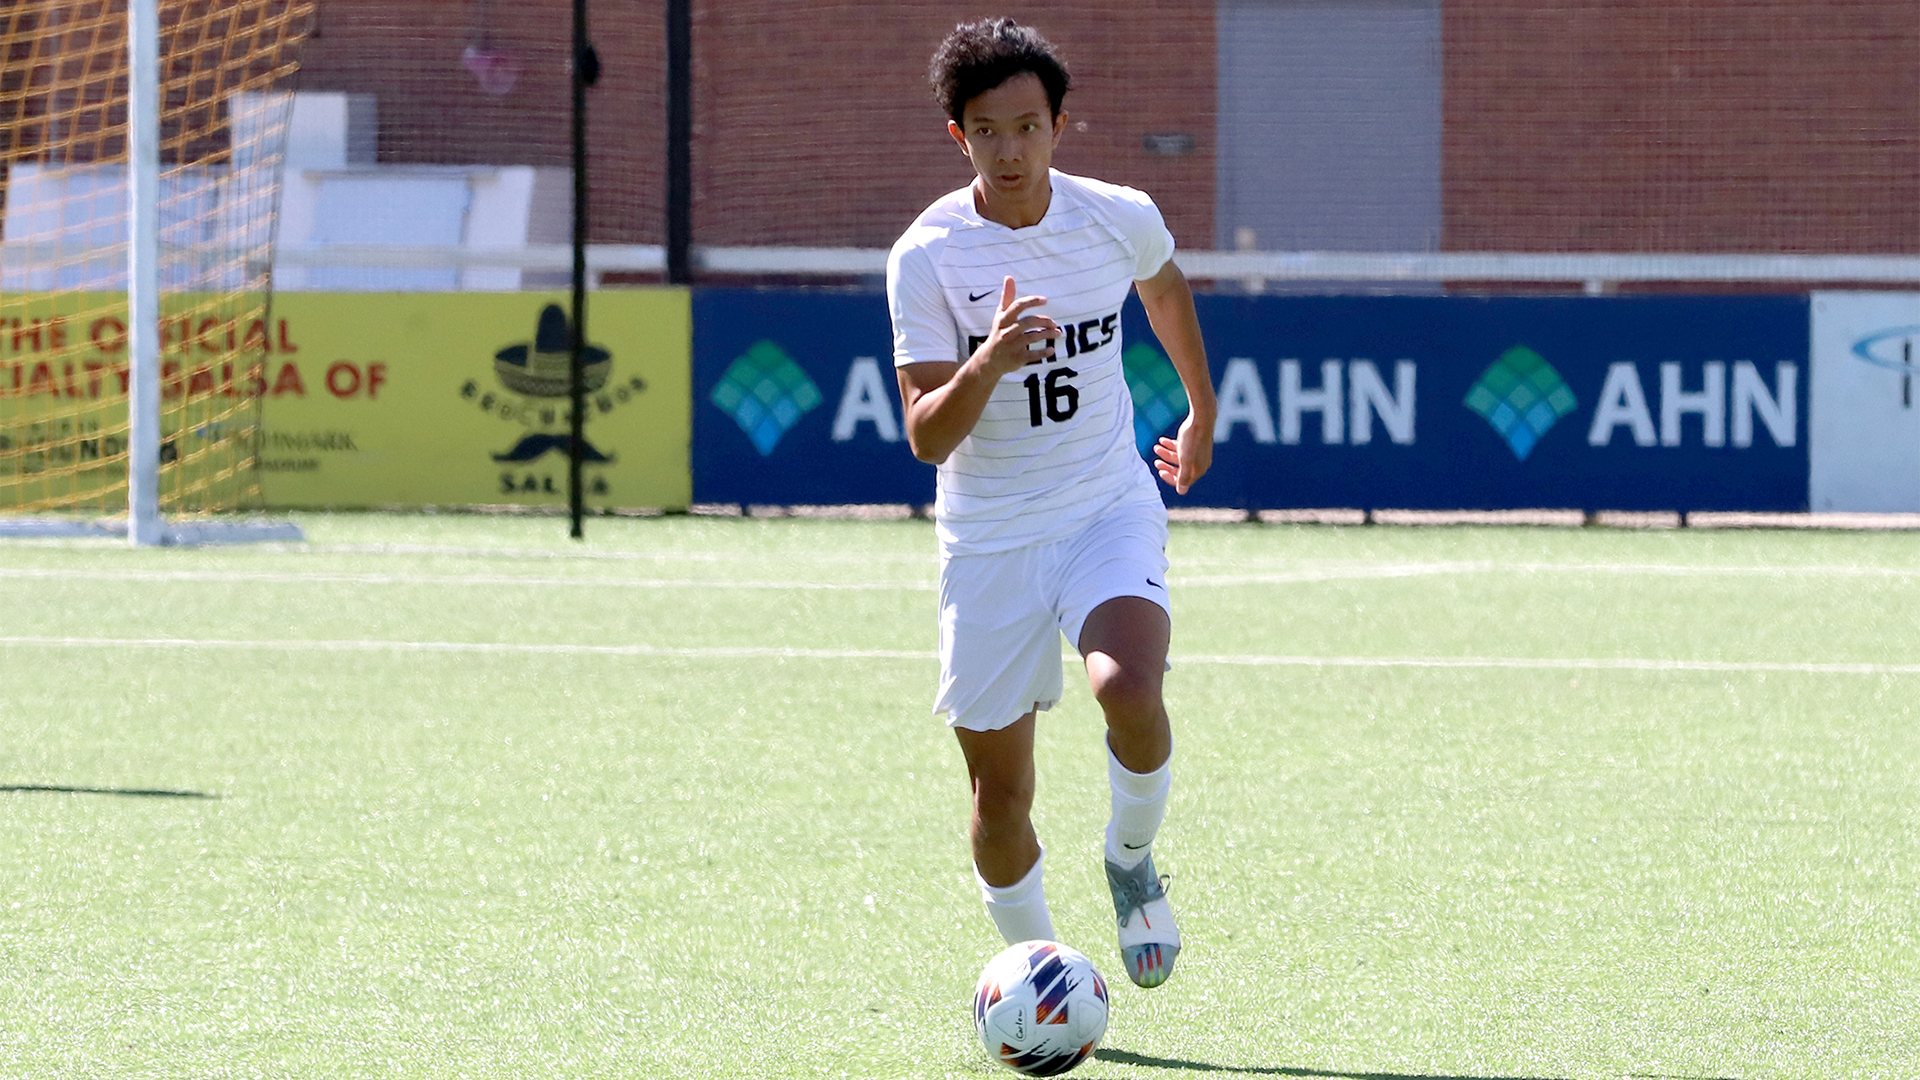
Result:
766,393
1522,397
1350,396
1702,392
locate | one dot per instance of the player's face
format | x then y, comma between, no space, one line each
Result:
1009,133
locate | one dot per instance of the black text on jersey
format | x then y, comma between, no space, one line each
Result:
1080,337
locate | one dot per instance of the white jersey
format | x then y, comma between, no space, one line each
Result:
1055,443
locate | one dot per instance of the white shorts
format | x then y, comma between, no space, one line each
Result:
1001,615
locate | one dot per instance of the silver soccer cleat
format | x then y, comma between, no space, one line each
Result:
1149,938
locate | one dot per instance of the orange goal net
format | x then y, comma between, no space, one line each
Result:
225,97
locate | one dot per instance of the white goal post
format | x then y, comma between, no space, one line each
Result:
143,273
145,526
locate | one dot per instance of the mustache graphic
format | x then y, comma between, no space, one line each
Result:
535,446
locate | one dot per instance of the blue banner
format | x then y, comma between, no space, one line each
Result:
1597,403
795,401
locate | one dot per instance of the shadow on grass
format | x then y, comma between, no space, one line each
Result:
141,793
1124,1057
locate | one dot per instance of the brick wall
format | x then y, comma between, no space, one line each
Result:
1682,125
433,111
813,123
1625,125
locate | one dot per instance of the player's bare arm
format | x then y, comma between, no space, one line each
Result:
1169,303
944,400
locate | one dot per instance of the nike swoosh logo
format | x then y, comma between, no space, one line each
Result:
972,299
1155,584
1135,847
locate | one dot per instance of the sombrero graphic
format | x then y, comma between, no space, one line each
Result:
541,369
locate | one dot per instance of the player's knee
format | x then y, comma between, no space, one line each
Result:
1127,694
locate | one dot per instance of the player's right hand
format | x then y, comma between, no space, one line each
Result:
1017,338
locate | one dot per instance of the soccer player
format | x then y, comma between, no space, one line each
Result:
1005,297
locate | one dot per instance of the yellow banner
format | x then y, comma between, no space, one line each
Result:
63,401
460,399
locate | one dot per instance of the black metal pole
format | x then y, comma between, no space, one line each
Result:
586,67
679,142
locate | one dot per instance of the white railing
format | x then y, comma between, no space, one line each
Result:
1596,273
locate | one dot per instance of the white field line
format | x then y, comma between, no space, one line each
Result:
750,652
719,652
1554,664
1309,573
95,544
1374,571
1322,572
1303,575
260,577
452,551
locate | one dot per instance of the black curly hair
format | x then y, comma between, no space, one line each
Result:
979,56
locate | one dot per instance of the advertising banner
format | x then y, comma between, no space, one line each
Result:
1612,403
423,399
1595,403
1865,437
63,401
795,401
413,399
65,377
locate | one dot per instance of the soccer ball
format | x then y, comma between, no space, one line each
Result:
1040,1008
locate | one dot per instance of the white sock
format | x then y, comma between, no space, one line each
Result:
1139,805
1019,910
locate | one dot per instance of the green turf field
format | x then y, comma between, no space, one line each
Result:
447,797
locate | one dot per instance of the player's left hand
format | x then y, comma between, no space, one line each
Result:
1186,459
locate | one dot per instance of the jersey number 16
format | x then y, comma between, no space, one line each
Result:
1062,399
